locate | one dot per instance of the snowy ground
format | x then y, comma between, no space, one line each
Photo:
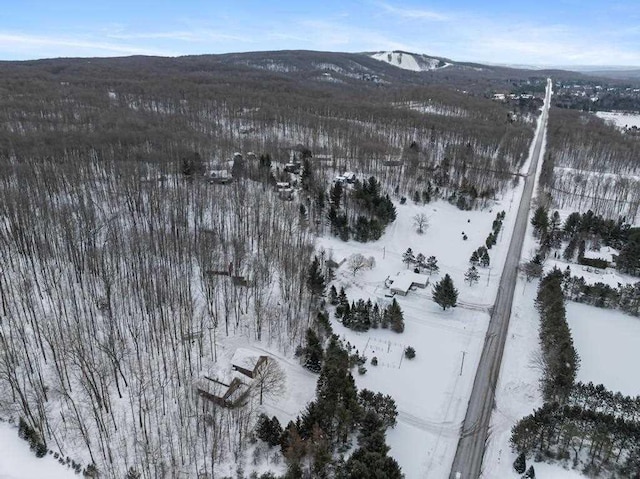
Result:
620,119
17,461
517,392
607,342
432,390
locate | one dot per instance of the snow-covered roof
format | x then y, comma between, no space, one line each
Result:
245,358
405,279
606,253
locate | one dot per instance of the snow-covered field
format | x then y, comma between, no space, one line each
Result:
607,342
433,389
620,119
17,461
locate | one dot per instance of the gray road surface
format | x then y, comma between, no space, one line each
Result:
468,459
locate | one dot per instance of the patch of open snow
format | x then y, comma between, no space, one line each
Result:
17,461
607,342
620,119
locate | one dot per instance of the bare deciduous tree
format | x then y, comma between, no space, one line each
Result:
358,262
421,222
269,379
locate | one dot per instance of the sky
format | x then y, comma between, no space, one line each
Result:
525,32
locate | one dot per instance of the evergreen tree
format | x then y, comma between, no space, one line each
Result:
335,194
540,221
421,261
472,275
313,352
370,460
490,241
520,464
306,177
484,259
444,293
269,430
533,268
582,245
531,473
570,250
395,317
315,279
475,259
320,453
432,265
629,258
375,316
336,393
333,295
407,257
383,406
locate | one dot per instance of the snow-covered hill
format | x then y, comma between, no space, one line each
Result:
410,61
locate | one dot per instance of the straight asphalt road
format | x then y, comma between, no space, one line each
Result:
475,429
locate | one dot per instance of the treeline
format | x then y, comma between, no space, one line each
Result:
624,297
314,445
560,360
585,425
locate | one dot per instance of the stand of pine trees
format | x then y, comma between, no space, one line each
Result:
369,211
312,443
362,315
585,426
625,297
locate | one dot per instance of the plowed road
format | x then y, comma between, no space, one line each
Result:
468,459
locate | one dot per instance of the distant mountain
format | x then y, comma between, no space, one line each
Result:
618,74
411,61
289,68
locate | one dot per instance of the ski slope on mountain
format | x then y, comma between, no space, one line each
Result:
410,61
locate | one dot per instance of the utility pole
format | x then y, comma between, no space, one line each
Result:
462,363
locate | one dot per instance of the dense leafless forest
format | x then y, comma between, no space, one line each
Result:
121,276
591,165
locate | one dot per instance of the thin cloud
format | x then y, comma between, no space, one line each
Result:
69,46
185,36
414,13
331,35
